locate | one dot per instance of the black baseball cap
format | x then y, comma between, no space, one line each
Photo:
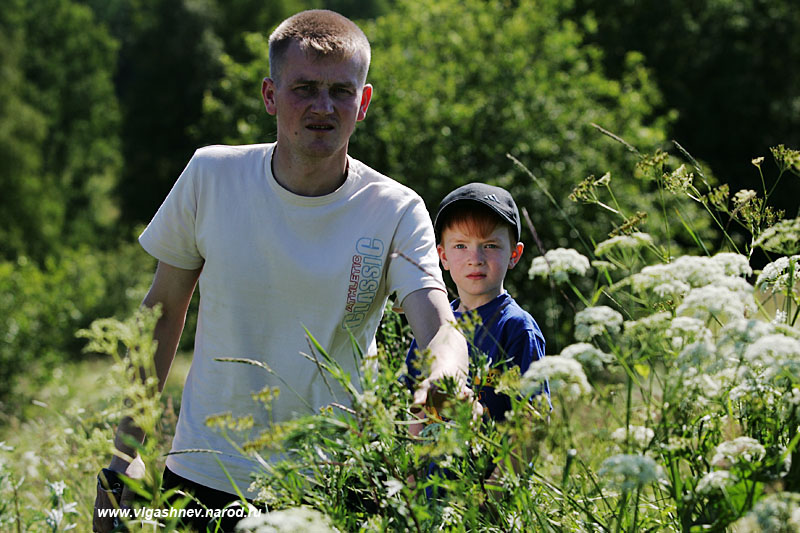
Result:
497,199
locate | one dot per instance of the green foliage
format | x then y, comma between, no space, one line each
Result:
65,155
725,65
43,306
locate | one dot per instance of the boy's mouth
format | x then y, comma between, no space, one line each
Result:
476,275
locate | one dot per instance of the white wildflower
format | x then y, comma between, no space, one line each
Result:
743,196
393,486
672,289
603,265
628,472
623,242
591,357
775,354
715,481
694,271
684,330
775,275
733,264
782,238
780,317
287,521
593,321
641,436
558,264
57,488
696,357
565,377
716,302
740,449
737,335
793,398
654,323
773,512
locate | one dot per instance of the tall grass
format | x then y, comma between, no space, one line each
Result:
676,402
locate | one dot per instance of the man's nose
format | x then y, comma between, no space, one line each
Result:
323,103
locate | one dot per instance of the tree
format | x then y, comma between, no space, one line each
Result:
726,66
60,159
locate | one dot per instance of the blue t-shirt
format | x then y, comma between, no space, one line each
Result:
509,336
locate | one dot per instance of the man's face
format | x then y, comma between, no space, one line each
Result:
317,102
478,263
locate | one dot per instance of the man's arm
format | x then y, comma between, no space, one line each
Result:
172,288
433,324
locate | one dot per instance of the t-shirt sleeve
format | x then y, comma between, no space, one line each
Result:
414,263
170,236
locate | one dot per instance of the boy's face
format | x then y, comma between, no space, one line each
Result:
478,264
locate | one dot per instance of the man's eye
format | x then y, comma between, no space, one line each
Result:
341,91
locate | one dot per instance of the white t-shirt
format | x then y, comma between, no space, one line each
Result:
274,263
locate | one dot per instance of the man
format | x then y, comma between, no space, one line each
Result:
283,237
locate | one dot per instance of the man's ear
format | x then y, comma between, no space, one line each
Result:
516,254
268,95
366,98
442,256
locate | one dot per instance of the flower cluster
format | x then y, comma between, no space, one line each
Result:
633,241
591,357
738,450
629,472
775,276
558,264
565,377
594,321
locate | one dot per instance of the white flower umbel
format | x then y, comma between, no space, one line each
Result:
778,356
738,450
558,264
715,302
715,481
733,264
591,357
594,321
737,335
641,436
775,276
633,241
628,472
684,330
779,511
782,238
565,377
671,279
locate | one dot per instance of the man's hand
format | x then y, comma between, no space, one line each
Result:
106,500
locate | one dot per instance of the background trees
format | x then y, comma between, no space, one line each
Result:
102,102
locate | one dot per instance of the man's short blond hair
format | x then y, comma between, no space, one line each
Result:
322,33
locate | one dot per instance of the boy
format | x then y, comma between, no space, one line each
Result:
477,231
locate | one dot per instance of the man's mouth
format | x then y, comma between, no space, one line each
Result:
320,127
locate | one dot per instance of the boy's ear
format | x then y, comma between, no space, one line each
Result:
442,256
516,254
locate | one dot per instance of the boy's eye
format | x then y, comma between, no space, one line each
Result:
459,246
491,245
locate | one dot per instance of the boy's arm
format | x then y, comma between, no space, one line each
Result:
433,324
172,288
